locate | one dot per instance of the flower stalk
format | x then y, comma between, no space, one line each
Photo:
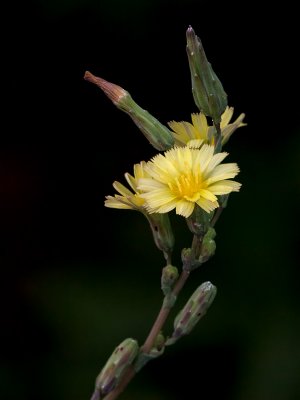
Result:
188,177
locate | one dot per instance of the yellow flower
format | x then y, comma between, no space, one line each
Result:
128,199
186,176
199,129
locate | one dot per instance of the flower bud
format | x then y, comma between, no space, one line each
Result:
168,278
193,311
158,135
198,221
208,247
207,89
188,259
156,351
162,232
116,365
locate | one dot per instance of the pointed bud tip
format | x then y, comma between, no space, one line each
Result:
112,91
88,76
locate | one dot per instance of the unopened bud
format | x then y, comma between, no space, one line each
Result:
193,311
162,232
189,262
198,221
207,89
168,278
116,365
208,247
156,351
159,341
158,135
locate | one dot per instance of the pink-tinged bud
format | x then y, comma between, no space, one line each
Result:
115,367
158,135
193,311
112,91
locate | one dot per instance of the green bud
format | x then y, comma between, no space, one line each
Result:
198,222
162,232
188,259
116,365
156,351
168,278
208,247
158,135
159,341
193,311
207,89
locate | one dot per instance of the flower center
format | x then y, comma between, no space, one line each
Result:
187,186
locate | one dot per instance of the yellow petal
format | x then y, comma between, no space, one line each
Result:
204,157
167,207
131,181
228,130
159,197
148,184
200,123
226,116
195,143
112,202
122,189
207,205
184,131
224,187
221,172
184,208
215,160
206,194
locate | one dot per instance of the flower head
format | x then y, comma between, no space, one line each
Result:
199,129
187,176
128,199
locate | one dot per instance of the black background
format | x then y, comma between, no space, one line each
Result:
77,278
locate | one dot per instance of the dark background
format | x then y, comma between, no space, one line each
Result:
78,278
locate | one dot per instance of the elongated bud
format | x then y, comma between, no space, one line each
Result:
193,311
207,89
116,365
208,247
158,135
162,232
168,278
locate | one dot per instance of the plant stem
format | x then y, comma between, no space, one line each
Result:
216,216
196,245
147,346
129,374
163,314
218,138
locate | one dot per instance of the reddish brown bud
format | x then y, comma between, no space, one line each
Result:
112,91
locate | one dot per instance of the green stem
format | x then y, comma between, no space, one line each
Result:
216,216
196,246
163,314
218,138
147,346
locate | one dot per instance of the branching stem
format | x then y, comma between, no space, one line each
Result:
147,346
